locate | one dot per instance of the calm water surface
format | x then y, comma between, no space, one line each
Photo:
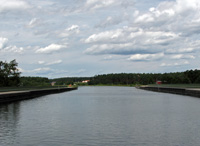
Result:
102,116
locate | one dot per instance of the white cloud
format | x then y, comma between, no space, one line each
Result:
3,42
164,9
100,4
111,21
111,49
9,5
37,70
51,48
144,18
160,37
14,49
74,29
169,9
186,5
133,34
20,69
107,36
34,22
146,57
129,38
179,16
174,64
54,62
168,25
50,63
96,4
41,62
110,57
4,47
181,50
183,56
41,69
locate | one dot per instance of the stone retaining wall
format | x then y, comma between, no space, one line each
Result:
181,91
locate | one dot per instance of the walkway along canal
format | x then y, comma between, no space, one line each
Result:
23,95
195,92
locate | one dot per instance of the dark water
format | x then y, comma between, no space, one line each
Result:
102,116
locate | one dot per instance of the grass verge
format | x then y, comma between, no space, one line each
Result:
176,85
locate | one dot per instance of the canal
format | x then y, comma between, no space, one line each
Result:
102,116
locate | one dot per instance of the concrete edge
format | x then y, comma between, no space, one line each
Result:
12,96
181,91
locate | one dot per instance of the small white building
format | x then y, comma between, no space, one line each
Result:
86,81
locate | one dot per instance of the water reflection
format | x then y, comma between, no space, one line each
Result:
9,117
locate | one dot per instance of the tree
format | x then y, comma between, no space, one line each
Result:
34,81
9,74
192,75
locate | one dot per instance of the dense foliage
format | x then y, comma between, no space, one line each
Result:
190,76
34,81
9,74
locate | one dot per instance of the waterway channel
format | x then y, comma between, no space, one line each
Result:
102,116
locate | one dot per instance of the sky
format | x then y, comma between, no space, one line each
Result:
83,38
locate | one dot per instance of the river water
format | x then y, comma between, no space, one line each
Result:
102,116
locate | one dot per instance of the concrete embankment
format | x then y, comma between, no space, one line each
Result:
182,91
23,95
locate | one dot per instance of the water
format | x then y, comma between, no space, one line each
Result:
102,116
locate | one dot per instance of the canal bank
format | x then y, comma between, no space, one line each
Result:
12,96
195,92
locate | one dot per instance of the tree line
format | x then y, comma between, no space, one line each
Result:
34,81
187,77
10,76
44,81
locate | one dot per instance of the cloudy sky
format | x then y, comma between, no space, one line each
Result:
65,38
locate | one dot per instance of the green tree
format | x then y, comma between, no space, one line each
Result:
192,75
9,74
34,81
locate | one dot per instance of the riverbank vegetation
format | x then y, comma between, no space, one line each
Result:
187,77
34,82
